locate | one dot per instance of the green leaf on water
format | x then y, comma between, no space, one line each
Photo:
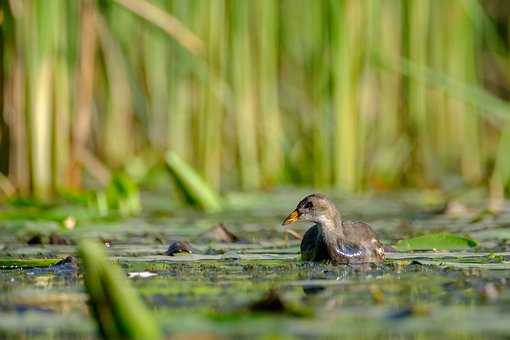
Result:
443,241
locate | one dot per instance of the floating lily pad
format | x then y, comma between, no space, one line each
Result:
443,241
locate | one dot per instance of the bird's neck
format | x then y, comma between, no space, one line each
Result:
331,226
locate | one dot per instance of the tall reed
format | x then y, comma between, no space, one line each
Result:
346,50
355,95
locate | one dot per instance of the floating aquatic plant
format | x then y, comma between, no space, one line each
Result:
438,241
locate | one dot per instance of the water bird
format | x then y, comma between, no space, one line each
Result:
332,239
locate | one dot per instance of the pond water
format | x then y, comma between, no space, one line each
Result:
208,293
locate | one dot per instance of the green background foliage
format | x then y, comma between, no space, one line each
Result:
352,94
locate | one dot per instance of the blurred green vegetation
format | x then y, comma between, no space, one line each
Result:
352,94
115,305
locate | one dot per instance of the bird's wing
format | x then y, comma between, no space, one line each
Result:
357,231
348,249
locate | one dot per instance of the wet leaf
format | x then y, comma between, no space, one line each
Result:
221,233
176,247
443,241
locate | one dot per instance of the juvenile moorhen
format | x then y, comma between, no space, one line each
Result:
331,239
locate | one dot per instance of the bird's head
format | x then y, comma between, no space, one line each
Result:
313,208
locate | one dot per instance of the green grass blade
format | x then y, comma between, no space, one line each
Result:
192,185
115,304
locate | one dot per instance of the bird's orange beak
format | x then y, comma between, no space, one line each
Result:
293,217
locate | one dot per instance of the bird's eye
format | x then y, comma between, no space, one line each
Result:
308,205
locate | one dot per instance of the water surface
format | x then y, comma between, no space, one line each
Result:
430,294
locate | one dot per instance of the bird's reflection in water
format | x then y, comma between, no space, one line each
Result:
313,289
336,275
